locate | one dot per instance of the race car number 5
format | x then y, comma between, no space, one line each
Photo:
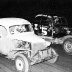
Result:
44,30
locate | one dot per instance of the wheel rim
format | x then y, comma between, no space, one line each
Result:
68,46
19,64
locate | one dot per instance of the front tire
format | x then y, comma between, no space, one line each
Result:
22,63
67,46
53,57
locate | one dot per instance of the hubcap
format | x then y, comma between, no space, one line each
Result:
68,46
19,64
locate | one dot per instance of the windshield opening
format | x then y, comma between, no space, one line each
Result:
20,28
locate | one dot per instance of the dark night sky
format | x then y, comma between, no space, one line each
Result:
29,8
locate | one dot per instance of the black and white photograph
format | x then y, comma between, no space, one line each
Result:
35,35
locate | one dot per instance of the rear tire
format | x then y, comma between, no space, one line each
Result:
67,46
22,63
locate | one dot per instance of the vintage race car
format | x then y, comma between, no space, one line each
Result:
18,42
54,29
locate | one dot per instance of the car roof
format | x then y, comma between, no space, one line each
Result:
13,21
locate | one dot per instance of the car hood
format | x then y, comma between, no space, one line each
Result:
30,37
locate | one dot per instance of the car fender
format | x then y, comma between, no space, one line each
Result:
65,37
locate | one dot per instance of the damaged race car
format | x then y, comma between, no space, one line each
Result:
19,43
54,29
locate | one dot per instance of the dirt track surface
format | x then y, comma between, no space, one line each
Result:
64,64
4,68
